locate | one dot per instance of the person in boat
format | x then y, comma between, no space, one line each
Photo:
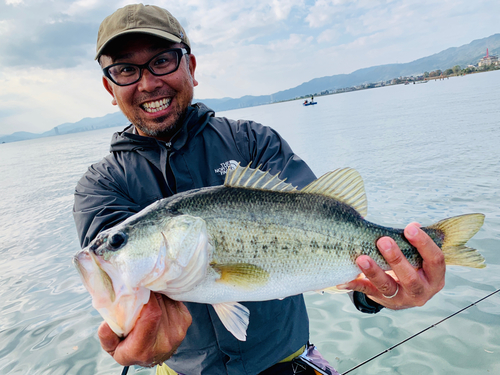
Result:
305,101
312,99
173,145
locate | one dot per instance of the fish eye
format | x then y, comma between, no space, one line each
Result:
116,241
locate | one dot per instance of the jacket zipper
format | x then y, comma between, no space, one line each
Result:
168,170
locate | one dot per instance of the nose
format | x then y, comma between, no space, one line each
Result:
149,82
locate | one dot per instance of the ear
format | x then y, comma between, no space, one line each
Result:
109,88
192,68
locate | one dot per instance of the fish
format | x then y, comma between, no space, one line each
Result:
254,238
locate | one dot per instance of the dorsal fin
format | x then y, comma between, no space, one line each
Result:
255,179
345,185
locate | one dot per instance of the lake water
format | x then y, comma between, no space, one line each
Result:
425,151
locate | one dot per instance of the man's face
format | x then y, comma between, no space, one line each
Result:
156,105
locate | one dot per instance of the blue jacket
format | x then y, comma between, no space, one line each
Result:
140,170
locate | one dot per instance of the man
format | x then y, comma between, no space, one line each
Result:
173,146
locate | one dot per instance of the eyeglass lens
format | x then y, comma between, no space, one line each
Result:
126,73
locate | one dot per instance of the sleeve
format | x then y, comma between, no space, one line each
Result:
364,304
100,201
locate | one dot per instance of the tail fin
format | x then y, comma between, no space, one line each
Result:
457,231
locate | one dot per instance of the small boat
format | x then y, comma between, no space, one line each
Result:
309,103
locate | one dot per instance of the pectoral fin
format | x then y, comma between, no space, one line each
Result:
241,275
235,318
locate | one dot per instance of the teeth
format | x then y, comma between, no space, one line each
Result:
156,106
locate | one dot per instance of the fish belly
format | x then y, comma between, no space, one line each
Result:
292,259
297,242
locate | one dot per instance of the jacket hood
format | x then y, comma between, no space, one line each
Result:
196,118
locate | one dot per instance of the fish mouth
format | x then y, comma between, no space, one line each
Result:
95,279
119,309
156,105
96,245
83,263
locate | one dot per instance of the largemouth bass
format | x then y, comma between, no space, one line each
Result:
255,238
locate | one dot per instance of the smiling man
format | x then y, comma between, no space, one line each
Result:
172,146
153,95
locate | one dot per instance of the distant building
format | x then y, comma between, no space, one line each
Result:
488,60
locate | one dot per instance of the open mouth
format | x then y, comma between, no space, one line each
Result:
156,106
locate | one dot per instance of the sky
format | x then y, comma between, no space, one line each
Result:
48,75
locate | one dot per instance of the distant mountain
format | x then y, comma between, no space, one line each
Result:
465,55
109,121
18,136
86,124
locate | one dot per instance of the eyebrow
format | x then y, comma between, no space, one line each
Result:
121,57
151,49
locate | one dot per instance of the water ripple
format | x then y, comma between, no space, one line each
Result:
425,153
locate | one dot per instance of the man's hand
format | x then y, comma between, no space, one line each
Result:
156,335
404,286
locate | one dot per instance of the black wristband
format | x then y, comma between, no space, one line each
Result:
365,304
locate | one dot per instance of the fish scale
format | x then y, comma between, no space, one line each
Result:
305,226
255,238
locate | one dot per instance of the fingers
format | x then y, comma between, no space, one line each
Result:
172,329
135,348
380,282
406,286
179,319
433,259
407,275
159,330
131,349
109,340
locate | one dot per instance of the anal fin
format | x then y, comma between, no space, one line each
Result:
235,318
332,290
335,290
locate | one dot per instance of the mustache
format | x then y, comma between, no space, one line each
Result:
146,97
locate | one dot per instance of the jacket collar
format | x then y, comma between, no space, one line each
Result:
196,118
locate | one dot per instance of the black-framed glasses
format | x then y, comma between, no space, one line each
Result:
166,62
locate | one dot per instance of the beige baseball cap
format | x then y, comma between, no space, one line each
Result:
139,18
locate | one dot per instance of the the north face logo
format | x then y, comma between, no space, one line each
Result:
224,167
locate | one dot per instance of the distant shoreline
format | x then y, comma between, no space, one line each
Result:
118,122
399,81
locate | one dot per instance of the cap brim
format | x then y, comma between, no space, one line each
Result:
155,32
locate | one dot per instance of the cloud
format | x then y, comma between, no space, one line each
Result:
48,76
51,46
39,99
5,27
282,8
270,65
324,12
76,8
49,34
223,24
330,36
34,36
